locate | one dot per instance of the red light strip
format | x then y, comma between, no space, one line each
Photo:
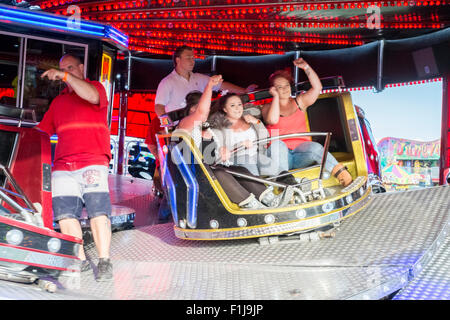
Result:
390,85
236,8
252,25
295,36
156,37
269,21
410,83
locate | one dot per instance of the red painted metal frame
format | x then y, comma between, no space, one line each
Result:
43,231
39,251
33,150
37,265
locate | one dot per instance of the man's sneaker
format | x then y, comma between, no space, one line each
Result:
105,272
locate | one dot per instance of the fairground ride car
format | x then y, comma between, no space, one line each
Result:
202,210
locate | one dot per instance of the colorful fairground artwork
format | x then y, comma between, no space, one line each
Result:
409,164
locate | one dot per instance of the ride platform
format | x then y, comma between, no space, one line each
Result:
397,247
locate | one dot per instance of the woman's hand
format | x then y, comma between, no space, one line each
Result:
250,119
274,92
300,63
215,80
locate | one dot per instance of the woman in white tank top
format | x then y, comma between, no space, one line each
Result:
233,129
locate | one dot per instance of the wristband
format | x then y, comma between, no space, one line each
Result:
306,68
65,76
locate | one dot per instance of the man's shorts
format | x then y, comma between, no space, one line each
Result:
73,189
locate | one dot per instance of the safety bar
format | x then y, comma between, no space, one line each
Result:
26,213
295,135
253,178
327,136
333,82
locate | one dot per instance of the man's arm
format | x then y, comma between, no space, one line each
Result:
236,89
162,96
160,110
82,88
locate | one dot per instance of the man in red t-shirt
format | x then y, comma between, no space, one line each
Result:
80,169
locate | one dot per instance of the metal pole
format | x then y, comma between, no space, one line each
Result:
296,72
444,160
380,66
213,64
123,110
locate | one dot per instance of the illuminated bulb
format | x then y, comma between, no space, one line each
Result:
269,219
214,224
241,222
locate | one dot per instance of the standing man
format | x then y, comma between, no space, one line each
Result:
80,169
173,88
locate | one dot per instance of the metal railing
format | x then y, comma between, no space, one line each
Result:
295,135
30,214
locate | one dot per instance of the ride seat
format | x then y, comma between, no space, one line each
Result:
205,168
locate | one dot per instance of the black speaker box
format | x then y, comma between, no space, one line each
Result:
425,63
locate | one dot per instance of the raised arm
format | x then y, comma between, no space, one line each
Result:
201,113
271,111
309,97
160,110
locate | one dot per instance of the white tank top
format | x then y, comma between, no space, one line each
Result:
234,139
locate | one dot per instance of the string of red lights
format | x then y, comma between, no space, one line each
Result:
236,6
251,26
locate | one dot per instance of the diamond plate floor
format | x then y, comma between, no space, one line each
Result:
434,282
374,253
137,194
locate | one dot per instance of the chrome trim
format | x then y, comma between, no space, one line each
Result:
301,225
43,259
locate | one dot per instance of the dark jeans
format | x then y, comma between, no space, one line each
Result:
238,189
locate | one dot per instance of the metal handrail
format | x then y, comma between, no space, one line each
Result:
268,180
292,135
28,214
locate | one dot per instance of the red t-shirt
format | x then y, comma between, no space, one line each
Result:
82,129
294,123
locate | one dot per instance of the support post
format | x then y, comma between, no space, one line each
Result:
123,110
444,160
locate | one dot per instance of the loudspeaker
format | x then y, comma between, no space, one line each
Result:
425,63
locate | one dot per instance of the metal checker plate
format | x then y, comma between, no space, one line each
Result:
370,257
433,283
395,229
218,281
